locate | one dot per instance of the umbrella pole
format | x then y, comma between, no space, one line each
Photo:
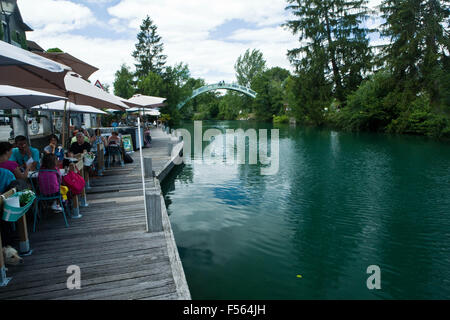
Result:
64,125
142,172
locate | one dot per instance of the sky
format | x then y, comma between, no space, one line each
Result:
207,35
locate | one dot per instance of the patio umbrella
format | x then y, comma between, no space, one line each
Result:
147,101
71,107
28,70
18,98
81,92
143,101
82,68
24,69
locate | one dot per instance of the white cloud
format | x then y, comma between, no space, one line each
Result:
105,54
53,17
97,1
185,27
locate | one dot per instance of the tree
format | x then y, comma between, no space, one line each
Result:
150,85
270,86
149,50
332,37
123,83
54,50
248,66
419,46
175,89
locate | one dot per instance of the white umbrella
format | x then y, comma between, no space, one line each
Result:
71,107
147,101
81,92
25,69
19,98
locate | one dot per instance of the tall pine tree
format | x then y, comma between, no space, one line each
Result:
419,51
333,41
149,50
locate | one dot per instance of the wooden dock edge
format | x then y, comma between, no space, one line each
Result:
174,257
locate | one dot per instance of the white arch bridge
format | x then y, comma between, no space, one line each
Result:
220,85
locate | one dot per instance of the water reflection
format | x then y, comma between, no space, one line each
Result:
339,203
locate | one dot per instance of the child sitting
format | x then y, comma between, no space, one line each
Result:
49,182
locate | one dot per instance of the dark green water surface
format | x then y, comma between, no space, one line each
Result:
339,203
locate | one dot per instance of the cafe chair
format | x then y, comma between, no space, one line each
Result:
42,198
114,151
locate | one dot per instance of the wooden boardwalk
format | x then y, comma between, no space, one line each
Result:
117,258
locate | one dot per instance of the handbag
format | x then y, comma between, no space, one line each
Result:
74,182
127,158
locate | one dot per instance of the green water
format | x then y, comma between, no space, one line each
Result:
339,203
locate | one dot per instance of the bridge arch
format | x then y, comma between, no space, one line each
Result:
221,85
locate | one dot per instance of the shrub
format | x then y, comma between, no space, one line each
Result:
281,119
420,119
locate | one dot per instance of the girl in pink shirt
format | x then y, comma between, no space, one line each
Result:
49,182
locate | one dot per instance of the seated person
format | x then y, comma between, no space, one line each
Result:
75,132
53,148
6,177
79,146
12,166
114,139
50,182
24,154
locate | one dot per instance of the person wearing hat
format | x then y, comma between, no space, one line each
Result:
79,146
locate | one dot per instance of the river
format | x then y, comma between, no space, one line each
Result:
339,203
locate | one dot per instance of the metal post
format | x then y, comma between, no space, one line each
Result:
154,212
100,159
148,167
142,171
85,175
24,244
170,145
3,279
75,208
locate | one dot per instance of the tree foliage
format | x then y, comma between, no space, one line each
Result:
248,66
335,81
270,86
332,40
149,50
123,83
